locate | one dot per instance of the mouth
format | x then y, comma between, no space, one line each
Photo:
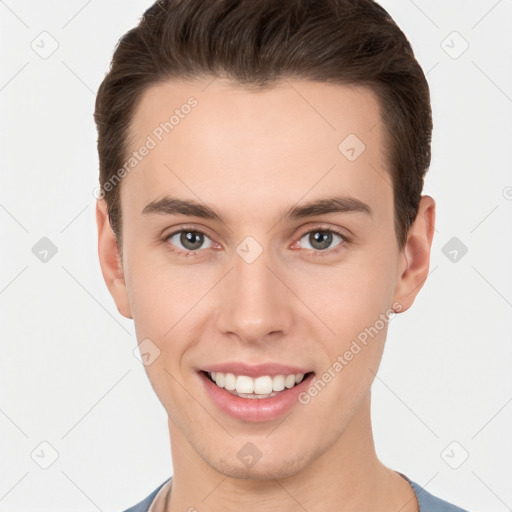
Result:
256,397
260,387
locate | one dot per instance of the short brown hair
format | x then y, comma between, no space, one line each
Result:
257,43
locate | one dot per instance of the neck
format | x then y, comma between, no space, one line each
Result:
346,477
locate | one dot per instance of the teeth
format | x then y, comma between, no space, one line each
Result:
289,382
278,383
230,382
244,384
219,379
264,385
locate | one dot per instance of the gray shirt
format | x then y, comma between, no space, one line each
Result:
427,502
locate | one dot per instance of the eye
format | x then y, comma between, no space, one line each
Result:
321,239
190,239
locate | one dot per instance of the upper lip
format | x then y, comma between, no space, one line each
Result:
255,370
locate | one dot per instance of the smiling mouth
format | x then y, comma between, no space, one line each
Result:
265,386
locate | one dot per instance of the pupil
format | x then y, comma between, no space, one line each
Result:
191,239
322,238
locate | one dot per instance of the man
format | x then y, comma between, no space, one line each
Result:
260,218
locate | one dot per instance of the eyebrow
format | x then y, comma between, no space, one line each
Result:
339,204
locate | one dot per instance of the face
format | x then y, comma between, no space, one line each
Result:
228,267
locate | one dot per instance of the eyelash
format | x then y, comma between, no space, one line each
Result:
315,253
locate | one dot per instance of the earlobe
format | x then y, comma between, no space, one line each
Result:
416,254
110,260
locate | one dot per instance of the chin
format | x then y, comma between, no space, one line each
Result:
269,467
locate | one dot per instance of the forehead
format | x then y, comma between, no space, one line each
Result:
217,141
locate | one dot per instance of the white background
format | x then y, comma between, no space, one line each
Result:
67,372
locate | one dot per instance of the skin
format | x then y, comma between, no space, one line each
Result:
249,155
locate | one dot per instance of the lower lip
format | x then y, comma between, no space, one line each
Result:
254,409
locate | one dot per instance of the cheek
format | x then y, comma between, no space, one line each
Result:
159,293
162,304
354,301
167,306
348,297
148,300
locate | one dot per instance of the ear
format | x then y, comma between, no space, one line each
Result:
415,256
110,260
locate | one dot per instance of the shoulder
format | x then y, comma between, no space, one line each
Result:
430,503
143,506
427,502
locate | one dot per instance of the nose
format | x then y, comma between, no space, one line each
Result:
255,304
